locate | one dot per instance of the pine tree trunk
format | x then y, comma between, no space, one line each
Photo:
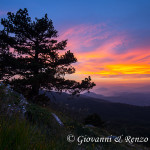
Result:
36,85
35,89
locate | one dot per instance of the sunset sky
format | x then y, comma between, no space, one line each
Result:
110,38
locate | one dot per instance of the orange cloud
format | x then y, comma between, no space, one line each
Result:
106,54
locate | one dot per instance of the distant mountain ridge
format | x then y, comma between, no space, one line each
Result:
138,99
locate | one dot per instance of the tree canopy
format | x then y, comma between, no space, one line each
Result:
30,56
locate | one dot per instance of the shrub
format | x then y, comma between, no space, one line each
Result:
94,119
41,100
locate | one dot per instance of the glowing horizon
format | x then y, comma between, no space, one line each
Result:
104,59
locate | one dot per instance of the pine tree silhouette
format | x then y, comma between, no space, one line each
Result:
30,59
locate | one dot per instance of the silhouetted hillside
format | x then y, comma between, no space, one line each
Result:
108,110
120,118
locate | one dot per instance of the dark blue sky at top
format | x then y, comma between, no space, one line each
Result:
129,14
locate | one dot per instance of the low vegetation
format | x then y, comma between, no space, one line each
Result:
36,128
